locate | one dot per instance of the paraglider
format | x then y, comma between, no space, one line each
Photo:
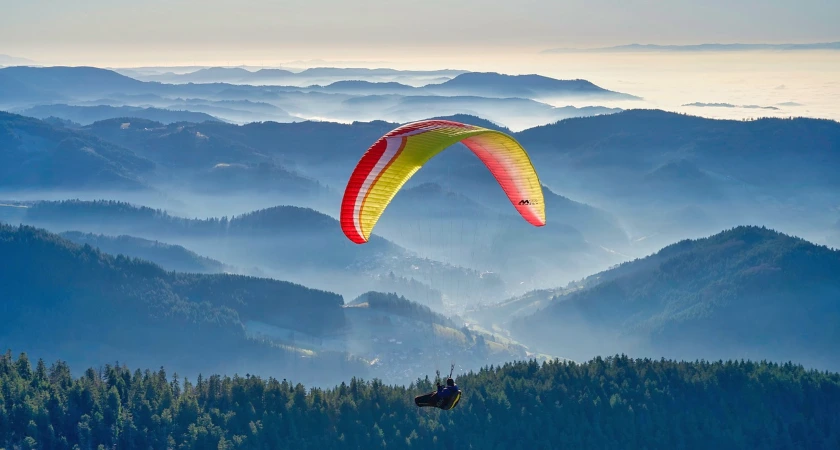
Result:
445,398
397,156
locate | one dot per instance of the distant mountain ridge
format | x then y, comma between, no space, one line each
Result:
38,155
328,74
701,47
618,150
526,86
87,115
94,94
180,145
631,163
511,112
729,105
90,81
170,257
78,80
363,87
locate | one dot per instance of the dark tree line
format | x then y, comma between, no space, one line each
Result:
616,403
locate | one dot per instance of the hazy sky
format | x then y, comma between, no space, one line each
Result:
158,31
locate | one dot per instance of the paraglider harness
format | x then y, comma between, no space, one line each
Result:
435,400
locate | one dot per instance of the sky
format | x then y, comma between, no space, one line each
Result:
131,32
490,35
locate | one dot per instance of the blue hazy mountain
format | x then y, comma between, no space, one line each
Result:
87,306
636,141
655,170
89,81
237,75
459,205
180,145
61,123
86,115
76,297
38,155
745,292
14,90
361,87
474,229
645,166
323,148
292,243
489,95
617,153
168,256
486,84
511,111
491,84
286,226
81,81
223,74
236,111
682,179
31,86
401,306
210,163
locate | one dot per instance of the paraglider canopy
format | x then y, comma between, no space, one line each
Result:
394,158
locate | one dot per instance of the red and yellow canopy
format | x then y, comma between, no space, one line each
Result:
395,157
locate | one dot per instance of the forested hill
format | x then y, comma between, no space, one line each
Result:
85,305
126,217
292,243
401,306
745,292
36,155
172,257
615,403
306,238
86,115
782,154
